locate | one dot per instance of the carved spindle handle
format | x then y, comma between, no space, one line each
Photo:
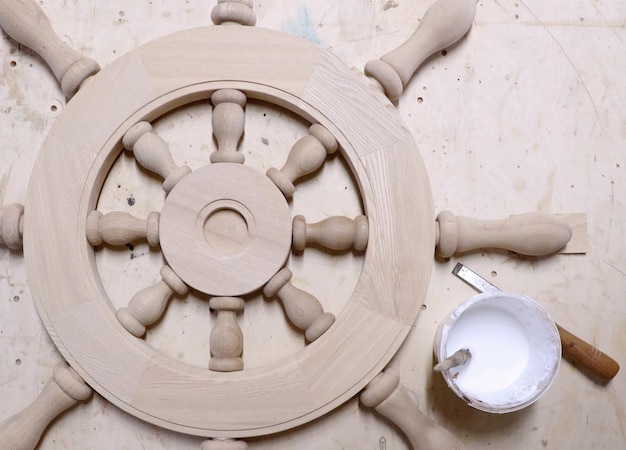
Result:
233,12
303,309
121,228
228,124
226,337
12,226
306,156
532,234
63,390
147,306
390,398
25,22
442,25
585,354
153,153
224,444
335,233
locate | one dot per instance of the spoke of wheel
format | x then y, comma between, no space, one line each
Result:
224,444
228,114
153,153
62,391
25,21
233,12
334,233
388,396
121,228
444,23
228,124
303,309
148,305
226,337
306,156
12,226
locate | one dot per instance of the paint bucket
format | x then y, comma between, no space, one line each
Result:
515,351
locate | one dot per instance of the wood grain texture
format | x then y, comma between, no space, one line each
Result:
197,229
588,356
445,22
62,391
12,226
531,233
25,22
335,233
390,398
152,80
226,335
579,242
228,121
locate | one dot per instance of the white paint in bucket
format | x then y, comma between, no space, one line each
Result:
515,348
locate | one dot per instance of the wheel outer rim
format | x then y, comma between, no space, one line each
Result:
81,148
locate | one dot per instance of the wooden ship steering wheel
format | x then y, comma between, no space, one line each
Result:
225,229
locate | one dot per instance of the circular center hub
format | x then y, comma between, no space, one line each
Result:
225,229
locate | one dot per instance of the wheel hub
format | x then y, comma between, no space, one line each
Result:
225,229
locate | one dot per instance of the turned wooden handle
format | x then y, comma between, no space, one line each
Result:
532,234
63,390
233,12
306,156
25,22
224,444
390,398
228,121
335,233
148,305
121,228
226,340
303,309
587,355
154,154
12,226
442,25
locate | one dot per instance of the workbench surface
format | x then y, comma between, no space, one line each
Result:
526,113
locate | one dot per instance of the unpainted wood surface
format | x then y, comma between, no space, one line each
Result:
522,115
296,389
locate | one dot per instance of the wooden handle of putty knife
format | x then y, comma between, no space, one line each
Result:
444,23
63,390
533,234
587,355
25,22
390,398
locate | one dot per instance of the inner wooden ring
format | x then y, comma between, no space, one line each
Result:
225,229
86,140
